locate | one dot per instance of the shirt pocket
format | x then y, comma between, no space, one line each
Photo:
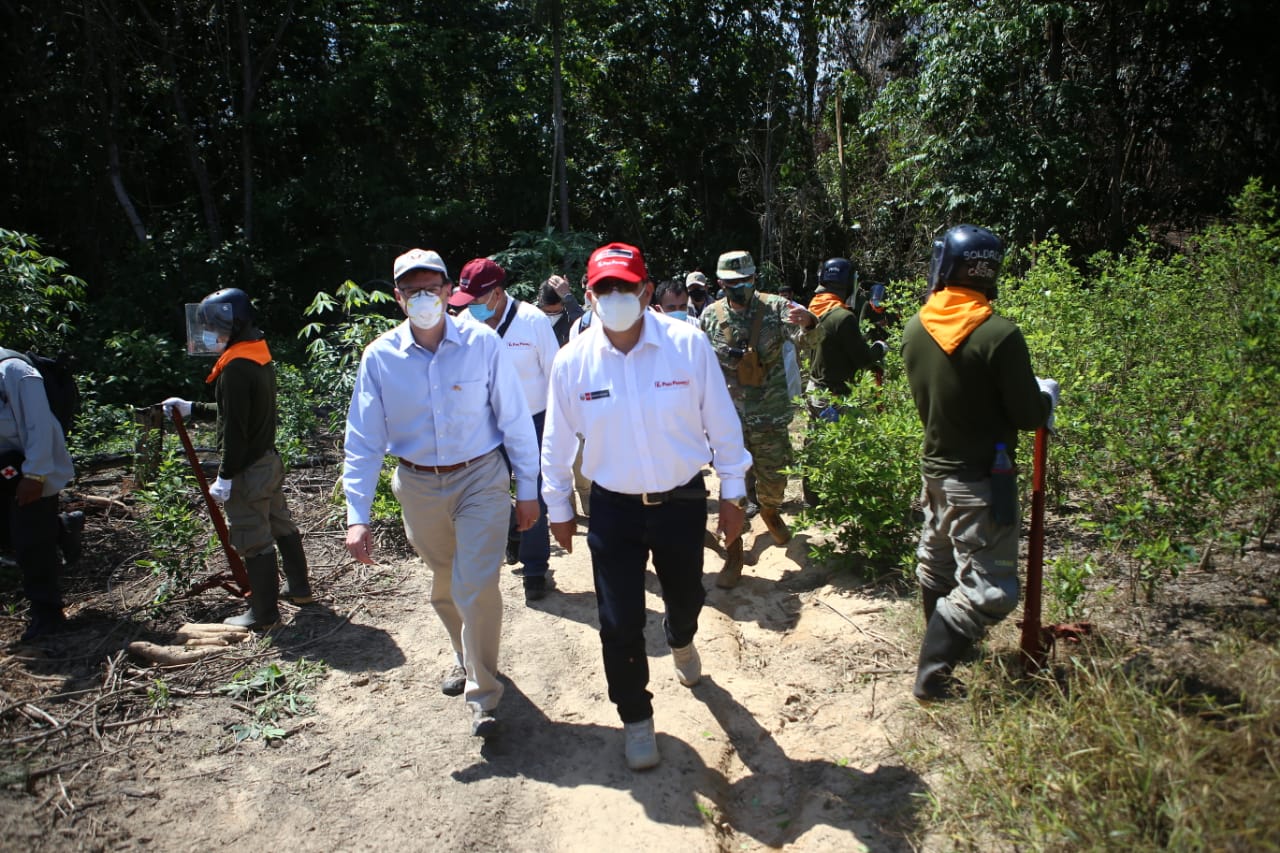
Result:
464,403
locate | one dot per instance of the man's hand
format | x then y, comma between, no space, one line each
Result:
563,532
28,491
183,407
526,515
360,543
731,518
560,284
801,316
220,489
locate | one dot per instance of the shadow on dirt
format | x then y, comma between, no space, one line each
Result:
318,632
777,801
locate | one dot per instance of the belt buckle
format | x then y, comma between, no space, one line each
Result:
644,499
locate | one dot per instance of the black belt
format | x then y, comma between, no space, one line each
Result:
687,492
440,469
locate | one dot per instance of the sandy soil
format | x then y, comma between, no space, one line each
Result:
788,742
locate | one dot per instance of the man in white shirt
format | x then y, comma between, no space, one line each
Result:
648,397
531,345
441,396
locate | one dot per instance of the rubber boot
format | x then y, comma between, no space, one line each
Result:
70,535
263,612
930,598
777,527
731,573
941,649
297,588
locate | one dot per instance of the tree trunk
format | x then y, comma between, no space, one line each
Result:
557,96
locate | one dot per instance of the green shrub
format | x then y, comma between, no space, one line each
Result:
178,538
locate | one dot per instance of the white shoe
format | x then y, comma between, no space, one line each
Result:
641,745
688,664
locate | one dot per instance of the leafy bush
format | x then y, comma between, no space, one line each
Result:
37,299
178,539
863,471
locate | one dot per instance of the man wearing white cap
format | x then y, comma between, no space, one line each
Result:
441,396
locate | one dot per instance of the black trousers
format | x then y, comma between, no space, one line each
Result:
623,534
33,538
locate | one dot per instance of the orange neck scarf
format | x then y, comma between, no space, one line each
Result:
253,350
824,302
952,314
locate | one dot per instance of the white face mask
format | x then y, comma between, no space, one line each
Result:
211,342
425,310
618,311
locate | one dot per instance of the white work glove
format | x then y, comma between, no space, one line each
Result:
1049,388
183,407
878,350
221,489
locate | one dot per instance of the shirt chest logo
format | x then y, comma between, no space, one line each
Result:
588,396
671,383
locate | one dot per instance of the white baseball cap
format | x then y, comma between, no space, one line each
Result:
420,259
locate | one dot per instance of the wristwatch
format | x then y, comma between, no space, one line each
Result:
740,503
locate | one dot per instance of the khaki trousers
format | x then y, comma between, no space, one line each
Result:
457,522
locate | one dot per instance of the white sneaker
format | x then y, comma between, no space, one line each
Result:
688,665
641,745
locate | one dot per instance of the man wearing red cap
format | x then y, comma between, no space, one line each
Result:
531,345
649,400
439,394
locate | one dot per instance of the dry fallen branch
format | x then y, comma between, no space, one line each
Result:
170,655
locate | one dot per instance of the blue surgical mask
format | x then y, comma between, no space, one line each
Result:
682,316
480,311
211,342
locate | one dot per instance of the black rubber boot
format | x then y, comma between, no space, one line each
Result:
263,612
70,534
930,598
297,588
941,649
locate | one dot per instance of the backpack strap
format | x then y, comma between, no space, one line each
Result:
511,315
757,320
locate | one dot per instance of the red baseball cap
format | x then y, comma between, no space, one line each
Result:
616,260
476,281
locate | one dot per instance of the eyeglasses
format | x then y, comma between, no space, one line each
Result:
441,289
605,286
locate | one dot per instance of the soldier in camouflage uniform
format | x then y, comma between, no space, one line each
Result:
757,383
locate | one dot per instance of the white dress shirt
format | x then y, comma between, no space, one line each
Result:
650,418
28,426
440,408
532,346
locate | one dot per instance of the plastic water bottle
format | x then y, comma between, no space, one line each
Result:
1004,488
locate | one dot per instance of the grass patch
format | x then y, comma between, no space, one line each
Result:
1106,754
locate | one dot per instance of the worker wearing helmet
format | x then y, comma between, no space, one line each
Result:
250,475
970,374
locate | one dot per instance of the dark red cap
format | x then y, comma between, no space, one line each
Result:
477,279
616,260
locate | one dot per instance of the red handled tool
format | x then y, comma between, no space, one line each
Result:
1034,645
238,582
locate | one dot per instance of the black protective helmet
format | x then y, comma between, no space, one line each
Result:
835,275
967,256
227,312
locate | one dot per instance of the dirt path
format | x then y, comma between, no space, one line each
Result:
783,744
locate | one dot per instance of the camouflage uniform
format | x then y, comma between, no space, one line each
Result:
765,410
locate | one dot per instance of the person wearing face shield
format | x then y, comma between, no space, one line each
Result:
648,398
250,481
441,395
747,330
970,375
843,353
531,346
